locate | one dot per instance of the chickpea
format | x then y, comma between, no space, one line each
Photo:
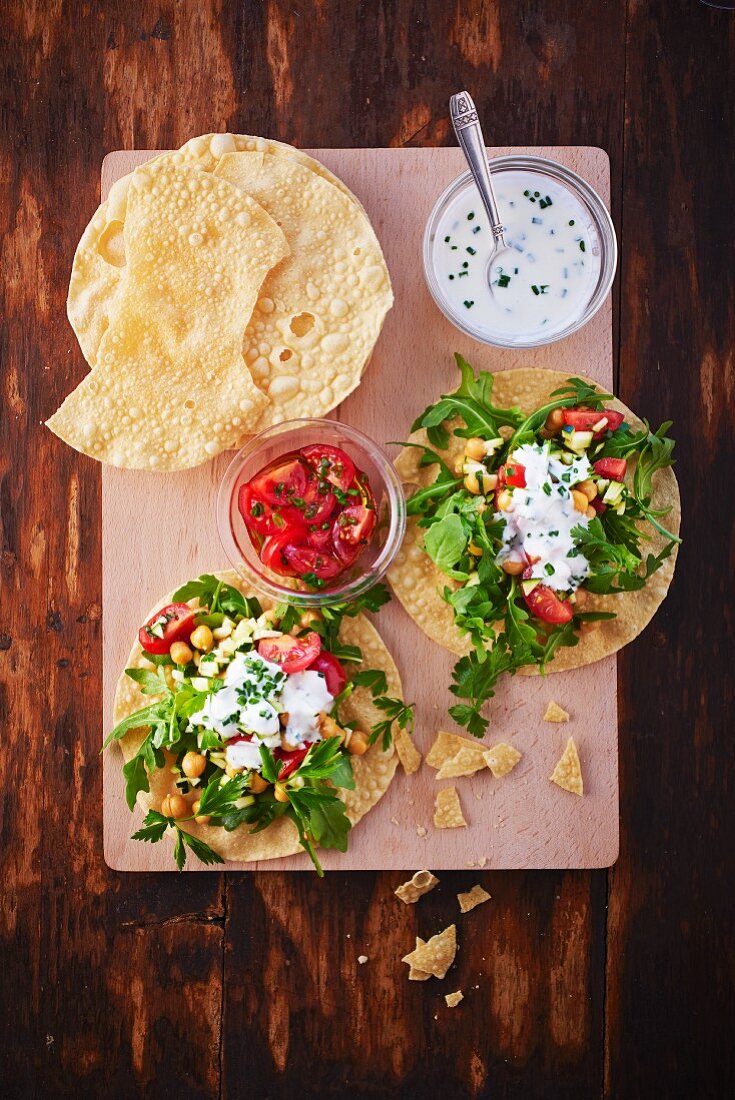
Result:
193,765
512,566
231,772
590,513
475,550
202,638
357,744
481,507
475,449
201,819
281,793
257,783
555,421
504,500
181,654
329,728
175,805
309,618
588,487
580,501
471,484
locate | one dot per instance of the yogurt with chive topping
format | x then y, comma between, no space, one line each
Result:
546,281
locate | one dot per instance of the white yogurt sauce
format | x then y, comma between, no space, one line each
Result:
543,516
254,693
550,275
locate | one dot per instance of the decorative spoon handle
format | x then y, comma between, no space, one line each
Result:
469,135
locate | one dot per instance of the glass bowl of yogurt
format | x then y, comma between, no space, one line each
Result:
561,263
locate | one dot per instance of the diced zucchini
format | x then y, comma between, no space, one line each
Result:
613,492
578,441
529,585
492,445
200,683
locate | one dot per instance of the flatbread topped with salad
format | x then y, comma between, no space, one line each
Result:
543,527
249,733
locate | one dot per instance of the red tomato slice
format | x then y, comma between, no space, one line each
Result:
291,760
320,538
292,654
611,467
178,627
345,551
331,464
281,483
305,559
319,501
512,473
584,420
273,551
544,603
332,671
258,515
355,524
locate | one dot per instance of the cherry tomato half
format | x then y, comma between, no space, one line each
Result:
177,628
584,420
355,524
281,483
267,519
273,550
544,603
306,560
291,760
332,671
319,501
331,464
611,467
292,654
320,537
512,473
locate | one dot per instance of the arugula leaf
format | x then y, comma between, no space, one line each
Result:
349,653
136,777
472,403
146,716
150,682
445,542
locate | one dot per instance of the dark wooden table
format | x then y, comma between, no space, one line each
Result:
615,984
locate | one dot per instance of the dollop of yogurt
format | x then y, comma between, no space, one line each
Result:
303,696
542,518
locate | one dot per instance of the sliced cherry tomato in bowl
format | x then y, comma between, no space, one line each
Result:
305,560
178,625
355,524
273,551
263,517
584,420
283,482
332,671
544,603
512,473
320,537
331,464
292,654
319,501
611,467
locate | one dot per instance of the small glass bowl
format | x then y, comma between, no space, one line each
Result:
583,193
390,501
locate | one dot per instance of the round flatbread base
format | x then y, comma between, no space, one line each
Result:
419,584
373,771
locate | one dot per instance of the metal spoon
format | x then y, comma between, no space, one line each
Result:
467,127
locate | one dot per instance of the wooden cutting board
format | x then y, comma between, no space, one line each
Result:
159,530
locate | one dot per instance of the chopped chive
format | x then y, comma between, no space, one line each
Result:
477,229
582,246
451,276
461,273
465,263
536,221
537,193
549,569
454,247
468,304
546,488
447,240
526,193
471,215
503,280
572,222
471,251
535,290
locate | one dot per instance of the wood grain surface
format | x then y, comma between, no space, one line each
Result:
614,984
523,822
